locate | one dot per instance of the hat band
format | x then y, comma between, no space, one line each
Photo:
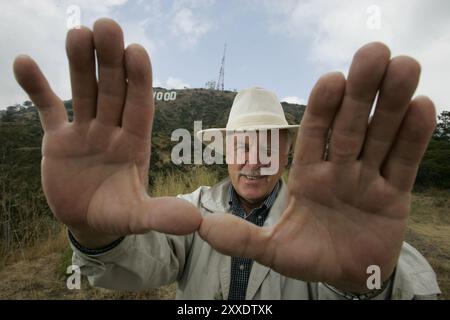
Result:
263,120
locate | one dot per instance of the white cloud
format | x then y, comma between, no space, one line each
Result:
157,83
180,22
171,83
294,100
176,83
194,4
188,26
332,31
186,21
100,7
38,28
134,32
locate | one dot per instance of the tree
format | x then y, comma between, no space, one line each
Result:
211,84
10,114
443,126
434,171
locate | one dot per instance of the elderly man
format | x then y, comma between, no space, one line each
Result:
339,220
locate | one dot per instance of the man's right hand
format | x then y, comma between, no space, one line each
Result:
95,169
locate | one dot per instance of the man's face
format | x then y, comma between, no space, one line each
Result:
248,177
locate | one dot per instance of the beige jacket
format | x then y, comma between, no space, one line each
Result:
151,260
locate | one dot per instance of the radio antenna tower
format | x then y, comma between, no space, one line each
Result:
221,81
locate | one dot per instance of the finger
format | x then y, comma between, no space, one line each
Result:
138,112
167,215
108,41
236,237
323,104
81,55
364,79
397,89
403,161
51,109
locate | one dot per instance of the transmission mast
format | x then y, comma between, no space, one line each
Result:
220,83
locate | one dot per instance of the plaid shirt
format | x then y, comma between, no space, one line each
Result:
241,267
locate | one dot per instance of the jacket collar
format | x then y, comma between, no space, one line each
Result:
216,200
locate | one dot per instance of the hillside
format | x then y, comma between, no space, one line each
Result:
210,106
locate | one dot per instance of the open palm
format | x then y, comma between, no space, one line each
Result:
95,169
349,187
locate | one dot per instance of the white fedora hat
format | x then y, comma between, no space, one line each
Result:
254,109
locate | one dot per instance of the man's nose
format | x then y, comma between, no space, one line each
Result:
252,166
252,158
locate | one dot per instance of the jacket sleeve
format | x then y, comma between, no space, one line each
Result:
414,279
139,262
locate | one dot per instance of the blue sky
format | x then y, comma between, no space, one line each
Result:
282,45
256,55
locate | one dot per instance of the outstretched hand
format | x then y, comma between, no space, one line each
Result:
348,203
95,169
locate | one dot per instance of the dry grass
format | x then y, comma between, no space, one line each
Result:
38,271
53,243
173,184
429,232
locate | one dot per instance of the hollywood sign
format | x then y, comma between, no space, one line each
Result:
165,96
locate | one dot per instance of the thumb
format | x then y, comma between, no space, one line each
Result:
170,215
237,237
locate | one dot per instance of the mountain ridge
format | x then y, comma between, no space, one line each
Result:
209,106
